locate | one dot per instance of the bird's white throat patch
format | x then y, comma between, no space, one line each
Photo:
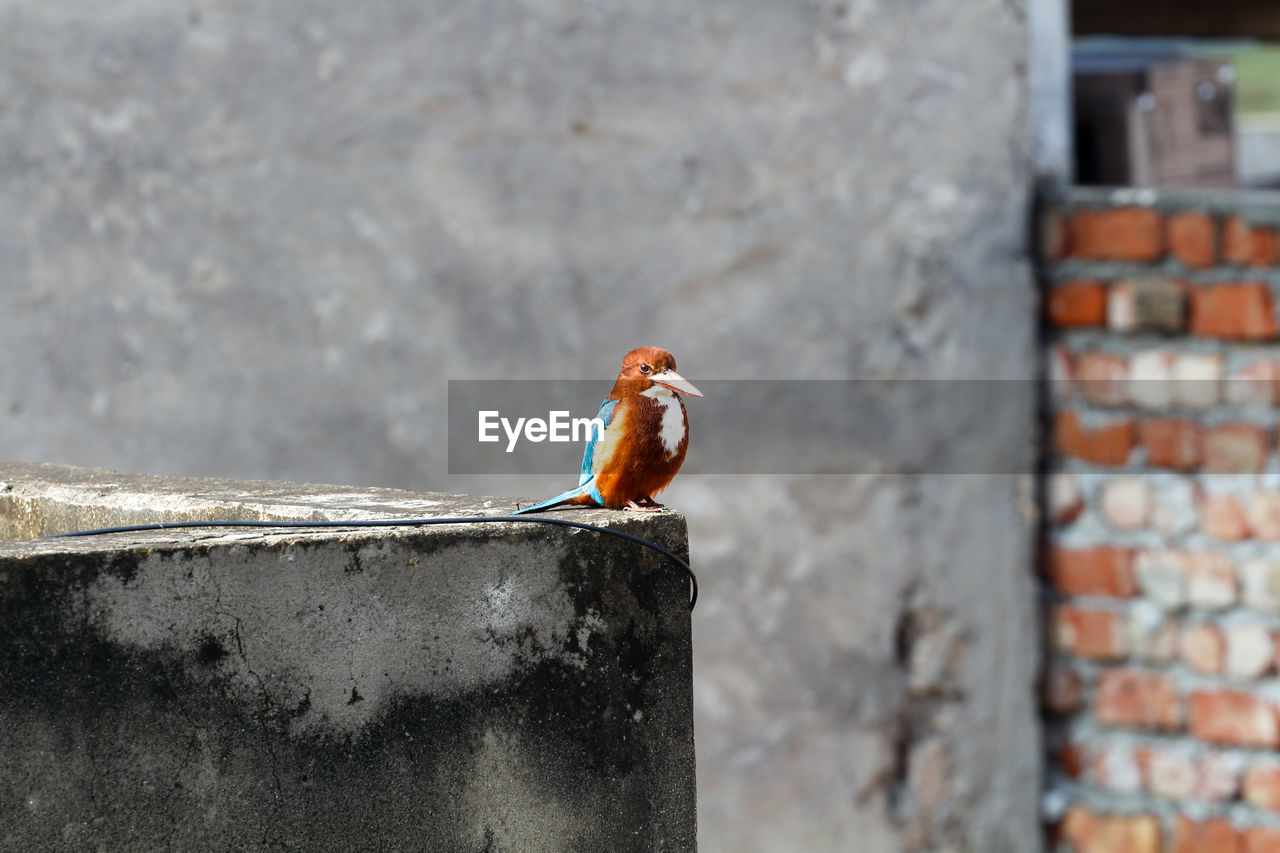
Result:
672,429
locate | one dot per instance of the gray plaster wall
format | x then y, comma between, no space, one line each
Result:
255,240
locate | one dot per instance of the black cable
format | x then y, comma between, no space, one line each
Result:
401,522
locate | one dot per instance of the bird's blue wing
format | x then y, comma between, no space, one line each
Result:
585,486
605,414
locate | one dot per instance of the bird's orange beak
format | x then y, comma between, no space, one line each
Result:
676,382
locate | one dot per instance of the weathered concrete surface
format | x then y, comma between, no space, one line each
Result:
254,239
472,687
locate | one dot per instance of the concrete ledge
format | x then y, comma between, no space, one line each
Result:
471,687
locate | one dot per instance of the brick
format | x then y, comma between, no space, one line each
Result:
1232,717
1193,239
1261,785
1064,496
1234,449
1215,835
1171,773
1172,443
1223,518
1077,304
1239,311
1266,247
1237,240
1202,648
1070,759
1102,377
1250,651
1117,234
1247,244
1090,633
1162,577
1055,235
1088,832
1061,365
1211,580
1263,515
1092,571
1151,378
1261,839
1105,445
1260,584
1061,372
1115,767
1253,385
1147,304
1197,379
1061,690
1143,699
1218,777
1153,637
1177,507
1126,503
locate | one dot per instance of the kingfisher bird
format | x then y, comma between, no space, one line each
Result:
645,437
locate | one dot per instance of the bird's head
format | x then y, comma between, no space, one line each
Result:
649,368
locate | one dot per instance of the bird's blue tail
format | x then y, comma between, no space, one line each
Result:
584,489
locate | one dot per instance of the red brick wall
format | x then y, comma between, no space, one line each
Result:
1161,565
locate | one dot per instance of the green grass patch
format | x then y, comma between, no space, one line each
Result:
1257,80
1257,73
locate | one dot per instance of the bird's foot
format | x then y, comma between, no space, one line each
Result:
646,504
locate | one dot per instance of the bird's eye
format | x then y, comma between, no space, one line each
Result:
644,368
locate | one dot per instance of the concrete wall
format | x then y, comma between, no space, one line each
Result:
254,240
469,687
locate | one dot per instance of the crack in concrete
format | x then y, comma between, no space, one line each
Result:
264,730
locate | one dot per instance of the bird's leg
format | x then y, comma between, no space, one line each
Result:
646,504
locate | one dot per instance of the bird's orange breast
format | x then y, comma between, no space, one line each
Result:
642,449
